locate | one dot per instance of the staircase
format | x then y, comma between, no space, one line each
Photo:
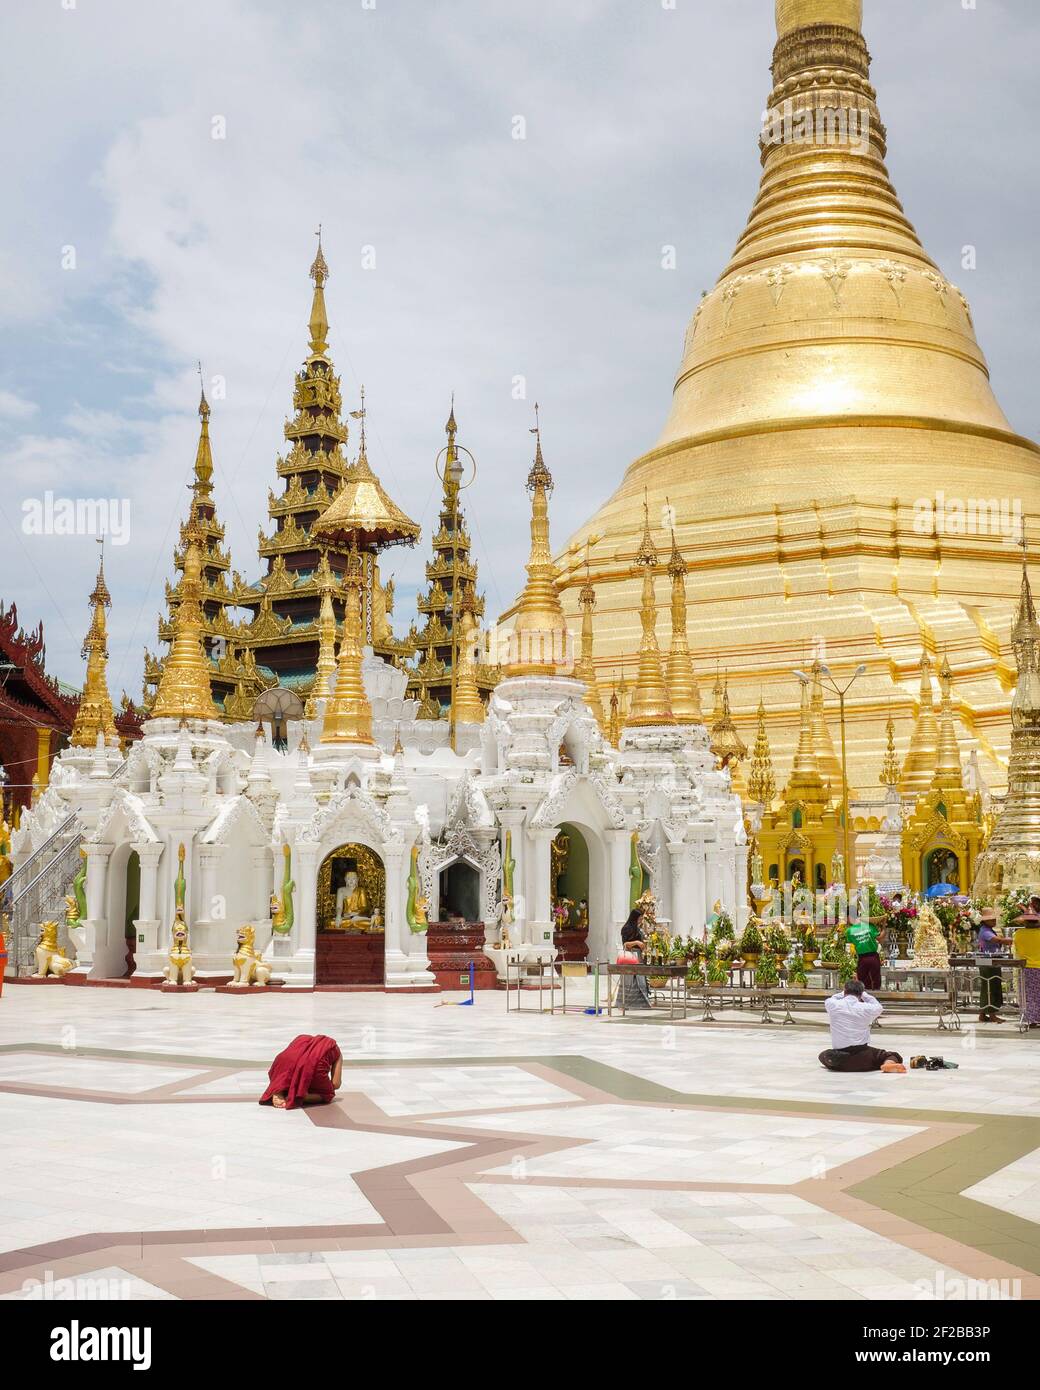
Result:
36,892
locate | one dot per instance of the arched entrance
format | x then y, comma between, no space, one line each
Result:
132,910
569,861
351,912
459,892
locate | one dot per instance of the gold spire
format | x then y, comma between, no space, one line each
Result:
650,699
919,767
806,782
95,715
614,722
326,667
184,686
469,708
348,715
725,742
890,767
1012,857
762,781
684,697
585,666
716,697
828,760
800,14
539,640
319,320
948,772
204,453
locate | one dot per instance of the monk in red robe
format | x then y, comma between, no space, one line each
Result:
308,1072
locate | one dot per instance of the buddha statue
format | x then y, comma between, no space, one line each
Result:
352,902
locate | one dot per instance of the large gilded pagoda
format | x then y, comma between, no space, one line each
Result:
302,559
452,575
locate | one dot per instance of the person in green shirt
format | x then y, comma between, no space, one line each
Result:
866,939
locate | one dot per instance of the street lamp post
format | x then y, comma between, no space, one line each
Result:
841,692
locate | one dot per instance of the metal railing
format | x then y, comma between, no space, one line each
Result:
37,889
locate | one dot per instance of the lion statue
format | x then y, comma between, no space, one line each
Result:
180,970
249,966
50,958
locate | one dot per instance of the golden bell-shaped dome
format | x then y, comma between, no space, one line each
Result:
831,387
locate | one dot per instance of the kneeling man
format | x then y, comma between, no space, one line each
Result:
852,1015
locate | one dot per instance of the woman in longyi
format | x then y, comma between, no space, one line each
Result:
307,1072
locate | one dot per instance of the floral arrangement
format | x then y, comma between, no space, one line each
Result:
718,972
562,913
725,951
723,928
810,946
796,975
875,902
1011,906
766,974
655,948
901,916
751,943
846,968
678,951
777,941
834,950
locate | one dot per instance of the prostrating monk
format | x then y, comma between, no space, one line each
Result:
852,1015
308,1072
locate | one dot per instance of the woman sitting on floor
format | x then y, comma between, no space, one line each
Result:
308,1072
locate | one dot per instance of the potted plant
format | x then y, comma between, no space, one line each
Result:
751,944
834,950
796,976
718,971
723,928
846,968
778,942
810,947
767,976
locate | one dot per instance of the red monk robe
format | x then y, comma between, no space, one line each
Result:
304,1069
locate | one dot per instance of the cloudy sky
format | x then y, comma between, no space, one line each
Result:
135,243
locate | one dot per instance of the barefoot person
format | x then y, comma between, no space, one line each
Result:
852,1015
308,1072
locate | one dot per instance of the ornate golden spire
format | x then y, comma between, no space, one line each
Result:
1012,857
762,781
585,666
326,668
184,686
539,641
806,782
828,760
725,742
801,14
650,698
319,320
948,771
95,715
716,697
204,453
362,512
614,722
348,715
919,767
469,708
890,767
683,695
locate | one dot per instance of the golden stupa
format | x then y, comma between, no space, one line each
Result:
831,387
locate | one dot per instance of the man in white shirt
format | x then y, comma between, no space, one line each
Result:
852,1014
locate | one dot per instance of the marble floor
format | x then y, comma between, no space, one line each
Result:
474,1153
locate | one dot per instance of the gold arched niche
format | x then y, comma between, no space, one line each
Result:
371,876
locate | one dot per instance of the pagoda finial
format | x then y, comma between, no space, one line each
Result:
890,766
827,759
725,741
919,767
948,771
95,715
184,686
614,722
805,771
538,643
585,666
348,714
319,319
204,452
326,666
762,780
650,698
804,14
468,708
683,694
